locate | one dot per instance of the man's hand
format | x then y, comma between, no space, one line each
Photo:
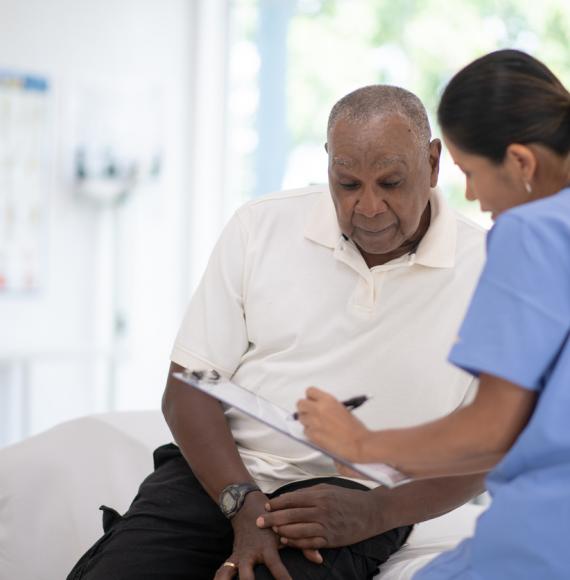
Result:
253,545
329,424
322,516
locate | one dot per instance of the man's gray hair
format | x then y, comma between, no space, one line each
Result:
377,100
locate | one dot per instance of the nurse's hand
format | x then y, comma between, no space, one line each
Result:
347,472
329,424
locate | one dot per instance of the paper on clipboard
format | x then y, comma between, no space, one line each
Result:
211,383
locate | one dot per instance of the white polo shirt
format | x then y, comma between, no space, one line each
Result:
286,302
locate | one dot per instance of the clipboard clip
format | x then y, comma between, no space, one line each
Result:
206,376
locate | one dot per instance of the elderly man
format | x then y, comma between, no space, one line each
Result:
360,287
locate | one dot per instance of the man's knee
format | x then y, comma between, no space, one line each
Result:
300,568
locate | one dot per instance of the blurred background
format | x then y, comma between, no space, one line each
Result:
130,130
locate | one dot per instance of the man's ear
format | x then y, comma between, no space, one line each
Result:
434,157
327,147
522,160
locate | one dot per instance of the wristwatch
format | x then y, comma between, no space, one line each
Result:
233,496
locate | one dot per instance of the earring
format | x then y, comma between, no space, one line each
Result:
528,187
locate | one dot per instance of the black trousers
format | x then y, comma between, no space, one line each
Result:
173,530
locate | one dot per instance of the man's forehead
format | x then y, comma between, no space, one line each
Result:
384,122
382,141
379,161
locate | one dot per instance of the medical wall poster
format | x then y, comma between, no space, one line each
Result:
23,185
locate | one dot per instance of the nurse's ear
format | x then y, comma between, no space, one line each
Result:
522,161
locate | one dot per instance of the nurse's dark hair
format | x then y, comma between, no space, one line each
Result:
502,98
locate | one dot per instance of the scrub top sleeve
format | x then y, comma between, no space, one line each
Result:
519,316
213,333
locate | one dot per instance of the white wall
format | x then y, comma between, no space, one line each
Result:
112,42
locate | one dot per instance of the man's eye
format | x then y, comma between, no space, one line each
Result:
389,184
350,185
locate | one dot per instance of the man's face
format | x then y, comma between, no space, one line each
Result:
380,174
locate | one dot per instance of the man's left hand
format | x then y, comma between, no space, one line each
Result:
322,516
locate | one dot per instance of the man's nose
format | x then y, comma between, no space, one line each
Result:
371,203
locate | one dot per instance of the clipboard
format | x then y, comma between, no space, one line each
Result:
211,383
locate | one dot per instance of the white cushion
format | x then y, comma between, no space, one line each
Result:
52,484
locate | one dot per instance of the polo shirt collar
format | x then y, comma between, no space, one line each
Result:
436,250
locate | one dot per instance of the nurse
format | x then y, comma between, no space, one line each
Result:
506,122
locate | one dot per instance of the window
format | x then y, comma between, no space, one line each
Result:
291,60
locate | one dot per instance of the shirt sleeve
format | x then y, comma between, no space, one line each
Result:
519,317
213,333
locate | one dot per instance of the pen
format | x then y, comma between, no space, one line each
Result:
351,404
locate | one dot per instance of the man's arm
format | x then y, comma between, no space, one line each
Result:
423,500
328,516
200,429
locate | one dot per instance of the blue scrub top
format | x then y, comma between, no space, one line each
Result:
517,328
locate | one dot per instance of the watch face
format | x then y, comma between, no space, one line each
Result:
228,502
